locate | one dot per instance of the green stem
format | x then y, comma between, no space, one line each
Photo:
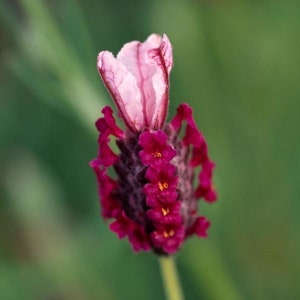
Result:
170,277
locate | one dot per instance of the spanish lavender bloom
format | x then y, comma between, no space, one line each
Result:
153,194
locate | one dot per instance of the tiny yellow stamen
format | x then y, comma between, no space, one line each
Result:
157,154
168,233
165,211
163,186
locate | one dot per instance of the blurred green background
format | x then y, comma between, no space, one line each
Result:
236,62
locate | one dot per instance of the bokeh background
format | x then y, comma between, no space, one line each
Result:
236,62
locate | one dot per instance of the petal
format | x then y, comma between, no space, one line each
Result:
200,227
138,81
166,49
156,150
123,88
121,226
138,238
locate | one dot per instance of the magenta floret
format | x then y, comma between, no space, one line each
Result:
156,151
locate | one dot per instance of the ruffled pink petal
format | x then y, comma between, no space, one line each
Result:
154,200
200,227
206,188
107,156
165,214
168,238
156,151
139,239
108,123
106,186
121,226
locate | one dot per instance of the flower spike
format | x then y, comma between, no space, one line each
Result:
152,199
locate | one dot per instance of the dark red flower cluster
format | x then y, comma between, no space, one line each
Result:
152,197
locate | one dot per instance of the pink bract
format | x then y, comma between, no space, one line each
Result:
138,81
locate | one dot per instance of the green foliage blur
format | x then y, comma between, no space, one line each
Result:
236,62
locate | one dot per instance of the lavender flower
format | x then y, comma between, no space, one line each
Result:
152,197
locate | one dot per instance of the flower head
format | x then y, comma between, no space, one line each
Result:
152,197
